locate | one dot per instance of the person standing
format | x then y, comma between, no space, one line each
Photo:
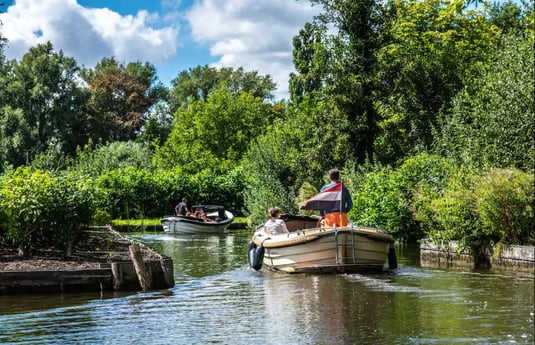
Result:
336,215
182,208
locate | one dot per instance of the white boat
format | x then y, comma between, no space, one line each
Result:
312,249
217,221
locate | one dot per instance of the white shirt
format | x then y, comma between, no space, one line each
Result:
275,226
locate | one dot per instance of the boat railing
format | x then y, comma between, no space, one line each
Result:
337,245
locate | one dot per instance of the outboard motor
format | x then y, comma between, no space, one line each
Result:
255,255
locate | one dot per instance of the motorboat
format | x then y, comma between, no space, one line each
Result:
216,220
322,244
310,247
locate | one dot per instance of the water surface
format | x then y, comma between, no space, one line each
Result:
219,300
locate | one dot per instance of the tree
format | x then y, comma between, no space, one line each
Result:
310,58
198,83
120,97
431,45
214,134
42,103
491,124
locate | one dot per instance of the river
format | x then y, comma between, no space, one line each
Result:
217,299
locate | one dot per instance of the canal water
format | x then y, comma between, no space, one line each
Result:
217,299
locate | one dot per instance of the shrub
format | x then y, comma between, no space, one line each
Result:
388,198
40,207
480,211
132,193
505,205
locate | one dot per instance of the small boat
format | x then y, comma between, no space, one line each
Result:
310,248
217,221
314,245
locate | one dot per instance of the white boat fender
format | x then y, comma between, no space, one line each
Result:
255,255
392,259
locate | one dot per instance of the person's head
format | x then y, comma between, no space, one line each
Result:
334,175
274,212
184,200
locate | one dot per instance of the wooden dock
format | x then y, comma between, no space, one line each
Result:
102,259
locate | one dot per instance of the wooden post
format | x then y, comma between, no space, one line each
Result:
141,270
168,273
117,276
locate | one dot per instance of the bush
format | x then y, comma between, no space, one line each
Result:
480,211
40,207
387,197
505,205
132,193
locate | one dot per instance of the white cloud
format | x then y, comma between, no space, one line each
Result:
86,34
253,34
256,35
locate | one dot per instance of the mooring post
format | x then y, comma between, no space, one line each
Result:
141,270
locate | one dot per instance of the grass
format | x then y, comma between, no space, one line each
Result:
136,222
157,221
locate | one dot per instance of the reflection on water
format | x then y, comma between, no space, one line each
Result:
218,300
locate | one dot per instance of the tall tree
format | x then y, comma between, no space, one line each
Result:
214,134
311,60
339,67
491,123
120,97
431,46
198,83
43,101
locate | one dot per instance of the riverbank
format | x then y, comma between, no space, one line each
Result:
101,259
502,257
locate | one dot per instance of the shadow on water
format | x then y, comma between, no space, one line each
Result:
219,300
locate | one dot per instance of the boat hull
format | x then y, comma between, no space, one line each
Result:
191,226
342,250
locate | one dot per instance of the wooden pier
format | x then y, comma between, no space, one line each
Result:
101,259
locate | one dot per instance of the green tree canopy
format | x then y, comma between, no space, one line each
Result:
198,83
214,134
41,104
491,124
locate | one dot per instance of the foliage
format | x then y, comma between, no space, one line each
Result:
120,96
491,124
15,138
214,134
387,198
41,208
41,105
349,77
431,46
198,84
52,159
111,156
310,58
132,193
268,178
505,205
481,210
158,125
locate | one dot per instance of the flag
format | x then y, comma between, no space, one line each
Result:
329,199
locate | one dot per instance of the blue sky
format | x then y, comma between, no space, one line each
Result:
173,35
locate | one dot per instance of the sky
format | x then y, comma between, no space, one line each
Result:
173,35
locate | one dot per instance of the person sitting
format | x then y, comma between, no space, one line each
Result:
275,225
201,215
